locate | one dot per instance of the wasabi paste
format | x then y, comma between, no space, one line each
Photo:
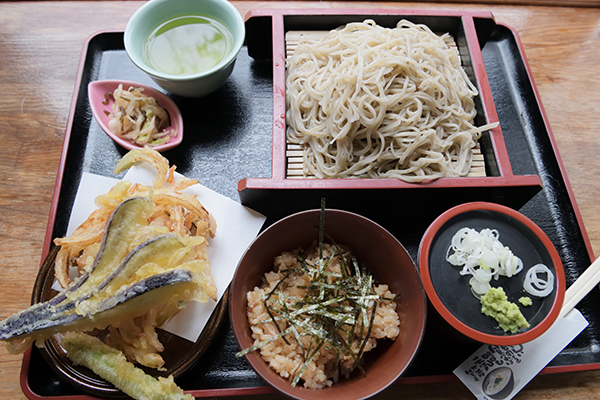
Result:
495,304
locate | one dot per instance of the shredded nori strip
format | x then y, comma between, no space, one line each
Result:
334,315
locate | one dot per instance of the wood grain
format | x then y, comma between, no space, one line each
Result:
40,47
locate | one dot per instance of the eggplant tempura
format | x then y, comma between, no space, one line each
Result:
140,255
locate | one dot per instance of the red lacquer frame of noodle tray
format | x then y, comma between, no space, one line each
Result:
470,31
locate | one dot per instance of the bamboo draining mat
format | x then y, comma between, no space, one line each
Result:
294,152
295,163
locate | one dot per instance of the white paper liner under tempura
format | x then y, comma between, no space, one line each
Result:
237,226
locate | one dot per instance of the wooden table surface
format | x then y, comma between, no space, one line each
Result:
40,47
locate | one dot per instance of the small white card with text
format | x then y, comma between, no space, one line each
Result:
500,372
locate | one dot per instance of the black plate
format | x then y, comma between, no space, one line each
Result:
450,291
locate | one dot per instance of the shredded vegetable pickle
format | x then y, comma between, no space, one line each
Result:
138,118
317,314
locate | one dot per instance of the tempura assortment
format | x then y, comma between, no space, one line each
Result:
139,257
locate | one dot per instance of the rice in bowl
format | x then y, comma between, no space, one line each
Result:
323,304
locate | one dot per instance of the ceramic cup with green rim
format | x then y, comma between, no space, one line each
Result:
188,47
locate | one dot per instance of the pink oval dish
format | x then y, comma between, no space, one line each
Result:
96,92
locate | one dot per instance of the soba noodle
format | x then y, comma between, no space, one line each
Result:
368,101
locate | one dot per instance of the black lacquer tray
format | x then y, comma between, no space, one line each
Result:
229,137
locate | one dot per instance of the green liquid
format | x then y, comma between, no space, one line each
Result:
188,45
